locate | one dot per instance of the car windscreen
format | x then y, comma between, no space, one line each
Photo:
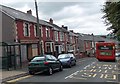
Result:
63,56
37,59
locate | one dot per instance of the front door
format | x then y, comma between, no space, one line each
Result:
29,51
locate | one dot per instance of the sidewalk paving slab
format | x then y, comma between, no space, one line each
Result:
13,74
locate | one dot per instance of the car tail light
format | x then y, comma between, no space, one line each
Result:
46,63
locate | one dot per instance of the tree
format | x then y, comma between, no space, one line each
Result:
112,17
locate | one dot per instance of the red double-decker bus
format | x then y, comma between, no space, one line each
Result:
105,51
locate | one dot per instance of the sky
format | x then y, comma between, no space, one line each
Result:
81,16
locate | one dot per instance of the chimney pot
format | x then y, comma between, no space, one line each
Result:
51,20
71,30
29,12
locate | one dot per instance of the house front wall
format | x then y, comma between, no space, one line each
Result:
30,42
8,29
88,47
20,30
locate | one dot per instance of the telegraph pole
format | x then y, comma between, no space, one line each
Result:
93,43
38,29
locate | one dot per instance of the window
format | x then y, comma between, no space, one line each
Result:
105,47
48,49
41,30
47,32
26,29
66,37
87,44
35,30
70,39
56,35
61,36
106,53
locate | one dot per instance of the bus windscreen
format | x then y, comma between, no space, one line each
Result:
105,47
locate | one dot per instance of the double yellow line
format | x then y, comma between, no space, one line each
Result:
17,79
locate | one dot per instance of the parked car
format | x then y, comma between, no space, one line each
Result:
47,63
117,54
67,59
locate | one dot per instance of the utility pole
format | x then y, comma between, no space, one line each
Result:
93,43
38,30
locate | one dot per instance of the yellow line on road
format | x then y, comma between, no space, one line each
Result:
94,66
11,81
94,75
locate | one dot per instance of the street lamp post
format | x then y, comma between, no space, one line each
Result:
38,29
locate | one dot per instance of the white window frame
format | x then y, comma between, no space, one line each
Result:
41,31
50,43
62,36
47,32
25,29
56,35
60,33
35,30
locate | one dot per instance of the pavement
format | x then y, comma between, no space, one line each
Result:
6,75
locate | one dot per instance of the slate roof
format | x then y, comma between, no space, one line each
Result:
90,37
16,14
57,28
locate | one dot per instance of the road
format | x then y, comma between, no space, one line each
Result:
86,70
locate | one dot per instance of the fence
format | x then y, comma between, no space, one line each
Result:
11,56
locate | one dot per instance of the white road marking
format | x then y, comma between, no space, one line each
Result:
79,78
70,76
105,71
102,76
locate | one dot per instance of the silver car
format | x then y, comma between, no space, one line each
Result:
117,54
67,59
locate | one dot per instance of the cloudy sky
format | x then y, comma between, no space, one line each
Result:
82,16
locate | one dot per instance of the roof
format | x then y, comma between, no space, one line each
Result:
73,34
16,14
90,37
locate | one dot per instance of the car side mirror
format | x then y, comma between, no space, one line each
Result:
71,57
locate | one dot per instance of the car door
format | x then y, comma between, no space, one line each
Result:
56,62
50,60
72,59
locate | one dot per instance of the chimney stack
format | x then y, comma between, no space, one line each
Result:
65,27
71,30
29,12
51,20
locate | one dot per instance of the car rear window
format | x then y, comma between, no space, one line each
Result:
63,56
36,59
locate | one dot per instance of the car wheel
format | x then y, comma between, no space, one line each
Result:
50,71
75,64
61,68
31,72
70,65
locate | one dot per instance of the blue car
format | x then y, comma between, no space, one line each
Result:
67,60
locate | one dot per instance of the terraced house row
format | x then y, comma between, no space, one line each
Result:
20,41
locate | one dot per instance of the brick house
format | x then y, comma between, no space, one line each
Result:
21,28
